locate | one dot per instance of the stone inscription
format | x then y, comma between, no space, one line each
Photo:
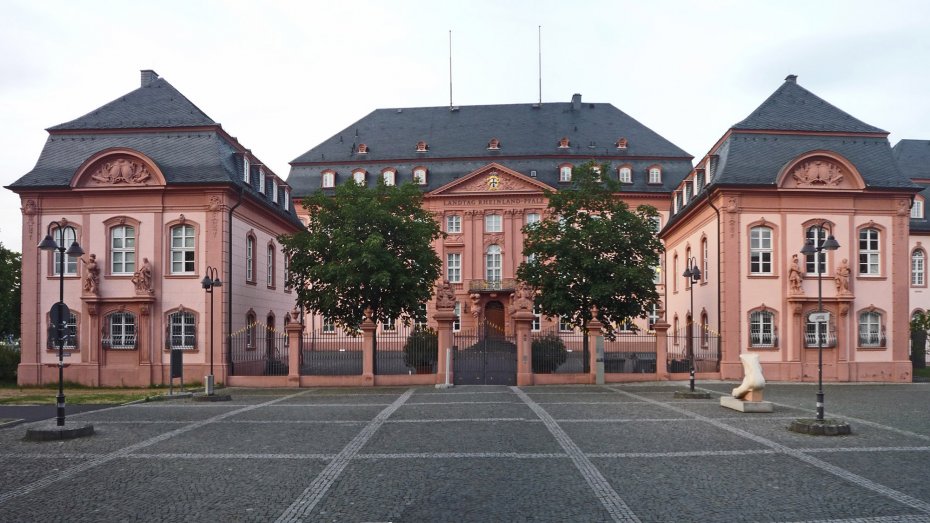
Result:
480,202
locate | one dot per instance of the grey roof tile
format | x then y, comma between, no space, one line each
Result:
913,158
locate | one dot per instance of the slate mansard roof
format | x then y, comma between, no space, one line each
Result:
156,120
913,158
458,142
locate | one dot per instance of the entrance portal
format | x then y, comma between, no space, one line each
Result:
494,319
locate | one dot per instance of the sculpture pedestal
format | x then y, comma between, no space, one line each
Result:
746,406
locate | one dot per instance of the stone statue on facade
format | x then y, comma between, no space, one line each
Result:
522,298
92,274
794,276
142,278
445,296
842,277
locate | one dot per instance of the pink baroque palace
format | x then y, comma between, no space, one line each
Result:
156,193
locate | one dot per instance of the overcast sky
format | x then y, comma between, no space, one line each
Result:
284,76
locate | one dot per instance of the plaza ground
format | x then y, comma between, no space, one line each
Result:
566,453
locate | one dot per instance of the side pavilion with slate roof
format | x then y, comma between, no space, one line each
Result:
484,170
797,169
914,161
155,192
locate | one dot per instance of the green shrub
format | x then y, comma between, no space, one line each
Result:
548,353
422,348
9,359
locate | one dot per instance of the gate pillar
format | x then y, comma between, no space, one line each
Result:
523,320
661,328
444,318
595,357
294,330
368,350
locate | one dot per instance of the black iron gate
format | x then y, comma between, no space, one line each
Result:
484,357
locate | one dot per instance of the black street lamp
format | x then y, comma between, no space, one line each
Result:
211,280
60,314
830,244
693,274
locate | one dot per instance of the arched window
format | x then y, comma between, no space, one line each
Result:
625,174
565,172
688,263
389,176
676,328
329,179
655,174
492,263
918,268
675,273
704,333
760,250
819,331
419,176
182,331
250,324
65,237
250,258
122,249
120,331
71,333
705,260
182,249
816,263
270,266
359,176
762,329
871,332
869,251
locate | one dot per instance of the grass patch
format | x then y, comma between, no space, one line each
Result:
74,399
923,373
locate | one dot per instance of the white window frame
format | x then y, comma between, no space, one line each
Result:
123,249
492,263
564,326
823,329
565,173
121,334
454,224
652,317
870,252
64,236
536,324
261,181
269,270
493,223
183,249
816,262
533,217
762,329
457,322
625,175
328,326
274,191
183,328
287,199
329,179
249,258
655,175
918,268
454,267
760,250
390,177
870,329
419,176
359,177
246,170
917,210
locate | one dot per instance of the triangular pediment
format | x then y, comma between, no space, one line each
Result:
489,180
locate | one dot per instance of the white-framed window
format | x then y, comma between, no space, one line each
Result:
182,249
274,192
64,237
454,267
250,322
287,270
389,176
389,326
596,170
250,258
121,331
657,274
419,176
454,224
329,179
869,251
329,326
918,267
917,210
261,181
652,318
655,175
818,330
625,174
122,249
421,322
565,324
870,329
182,330
816,263
492,263
762,329
287,199
359,177
457,322
493,223
71,334
705,260
269,269
532,217
246,170
565,173
536,325
760,250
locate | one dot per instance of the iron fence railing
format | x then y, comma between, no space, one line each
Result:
331,353
258,352
630,353
406,350
706,349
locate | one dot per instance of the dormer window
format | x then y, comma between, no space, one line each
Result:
287,199
261,181
621,143
389,176
917,210
358,176
274,191
419,176
494,144
246,174
655,174
565,172
597,172
625,174
675,201
362,149
564,143
422,147
329,179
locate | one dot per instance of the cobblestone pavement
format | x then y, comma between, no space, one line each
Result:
569,453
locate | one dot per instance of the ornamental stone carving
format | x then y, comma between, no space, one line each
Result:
121,170
522,298
445,296
818,172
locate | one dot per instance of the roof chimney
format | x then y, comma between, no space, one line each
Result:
148,77
793,78
576,102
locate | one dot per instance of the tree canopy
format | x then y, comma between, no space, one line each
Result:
592,254
10,280
365,248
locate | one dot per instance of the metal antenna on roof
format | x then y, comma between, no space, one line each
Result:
450,69
539,48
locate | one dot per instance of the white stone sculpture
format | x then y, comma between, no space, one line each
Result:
748,396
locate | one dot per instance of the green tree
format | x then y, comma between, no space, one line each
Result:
10,282
365,248
593,255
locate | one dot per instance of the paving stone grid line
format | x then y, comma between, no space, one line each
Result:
891,493
125,451
312,495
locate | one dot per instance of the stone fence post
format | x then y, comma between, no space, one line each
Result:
595,360
444,319
294,330
661,328
523,320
